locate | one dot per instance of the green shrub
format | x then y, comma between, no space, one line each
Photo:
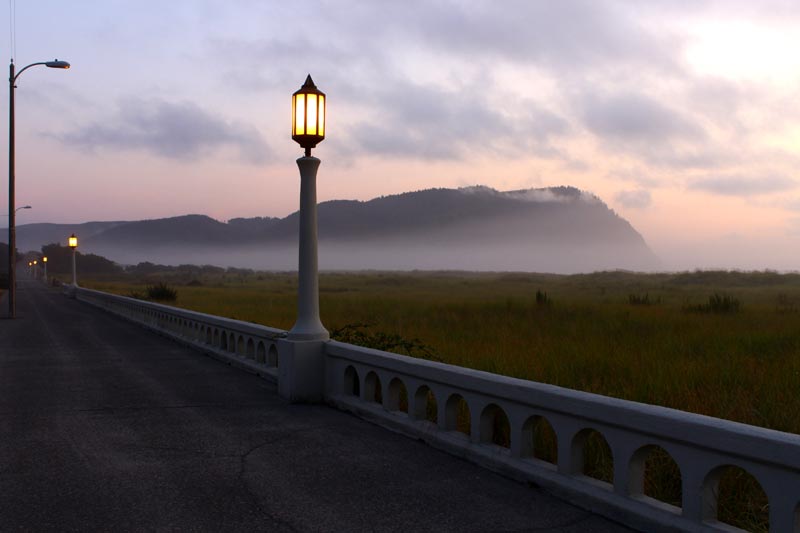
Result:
542,298
161,293
389,342
717,303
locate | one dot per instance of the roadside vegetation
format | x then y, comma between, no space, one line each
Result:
724,344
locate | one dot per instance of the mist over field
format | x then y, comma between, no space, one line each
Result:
376,255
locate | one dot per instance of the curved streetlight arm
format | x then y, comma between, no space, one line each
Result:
51,64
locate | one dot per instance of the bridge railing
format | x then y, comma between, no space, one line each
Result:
249,346
426,399
505,419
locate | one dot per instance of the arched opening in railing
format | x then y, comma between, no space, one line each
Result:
251,349
655,474
232,342
495,427
733,496
261,353
594,455
457,415
425,405
272,360
372,388
539,440
351,384
209,339
398,396
223,340
240,346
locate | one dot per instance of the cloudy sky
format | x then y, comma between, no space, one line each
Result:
683,116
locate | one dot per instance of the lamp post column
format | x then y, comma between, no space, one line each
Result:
74,271
12,230
308,326
45,271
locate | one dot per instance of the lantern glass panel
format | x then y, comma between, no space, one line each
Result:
73,242
299,115
322,115
311,122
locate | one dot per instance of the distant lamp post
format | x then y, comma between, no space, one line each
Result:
73,243
12,231
44,262
308,129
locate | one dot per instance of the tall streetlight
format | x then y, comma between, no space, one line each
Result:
12,231
44,262
73,243
308,129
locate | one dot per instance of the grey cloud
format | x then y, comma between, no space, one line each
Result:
637,118
635,199
738,185
432,123
174,130
569,34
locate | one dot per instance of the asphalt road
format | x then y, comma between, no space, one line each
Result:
105,426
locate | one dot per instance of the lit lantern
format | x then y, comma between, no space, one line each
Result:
34,261
73,241
308,116
44,259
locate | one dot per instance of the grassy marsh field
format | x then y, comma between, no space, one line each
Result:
651,338
724,344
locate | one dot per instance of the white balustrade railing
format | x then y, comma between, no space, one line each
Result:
249,346
701,446
423,399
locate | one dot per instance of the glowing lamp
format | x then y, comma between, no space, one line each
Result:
73,241
34,261
44,259
57,64
308,115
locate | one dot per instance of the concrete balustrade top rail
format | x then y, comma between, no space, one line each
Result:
429,400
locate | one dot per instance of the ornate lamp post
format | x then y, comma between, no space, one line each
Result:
302,353
12,231
73,243
44,262
308,129
35,269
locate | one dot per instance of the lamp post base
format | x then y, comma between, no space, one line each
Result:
301,371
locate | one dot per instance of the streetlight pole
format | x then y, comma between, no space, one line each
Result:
12,230
44,262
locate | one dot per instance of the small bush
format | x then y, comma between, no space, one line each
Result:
389,342
638,299
161,293
137,295
542,298
717,303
